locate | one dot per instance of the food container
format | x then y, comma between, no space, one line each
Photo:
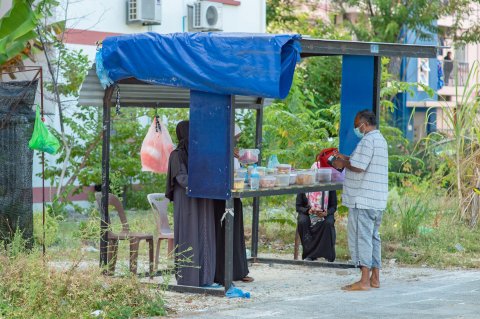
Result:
338,176
238,183
324,175
284,168
282,180
293,178
248,156
260,169
267,181
306,177
271,171
241,173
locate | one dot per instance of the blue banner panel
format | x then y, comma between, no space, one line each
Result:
210,150
357,94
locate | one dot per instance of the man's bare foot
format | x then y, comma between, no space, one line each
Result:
375,278
374,283
358,286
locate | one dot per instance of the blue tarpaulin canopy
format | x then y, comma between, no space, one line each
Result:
222,63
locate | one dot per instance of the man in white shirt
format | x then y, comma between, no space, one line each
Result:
365,192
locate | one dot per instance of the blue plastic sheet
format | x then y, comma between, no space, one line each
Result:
222,63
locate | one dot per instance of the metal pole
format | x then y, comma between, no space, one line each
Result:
228,244
105,219
256,200
229,210
43,166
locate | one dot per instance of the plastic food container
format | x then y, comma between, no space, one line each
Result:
238,183
282,180
248,155
284,168
271,171
260,169
293,178
338,176
324,175
267,181
306,177
241,173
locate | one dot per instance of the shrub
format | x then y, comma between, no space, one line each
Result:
32,288
89,230
51,228
412,214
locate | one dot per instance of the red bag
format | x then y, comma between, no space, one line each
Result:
156,148
323,156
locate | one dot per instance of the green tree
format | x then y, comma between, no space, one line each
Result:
385,20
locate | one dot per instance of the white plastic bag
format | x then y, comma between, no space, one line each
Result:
156,148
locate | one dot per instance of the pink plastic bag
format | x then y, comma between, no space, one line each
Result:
156,148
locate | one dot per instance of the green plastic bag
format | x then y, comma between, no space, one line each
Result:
42,140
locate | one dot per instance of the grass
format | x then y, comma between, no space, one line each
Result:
418,228
30,285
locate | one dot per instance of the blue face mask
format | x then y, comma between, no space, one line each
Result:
357,132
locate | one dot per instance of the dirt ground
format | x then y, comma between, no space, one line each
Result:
286,287
291,291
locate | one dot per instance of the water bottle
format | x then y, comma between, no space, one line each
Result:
254,179
273,161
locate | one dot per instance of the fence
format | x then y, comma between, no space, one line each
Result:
455,71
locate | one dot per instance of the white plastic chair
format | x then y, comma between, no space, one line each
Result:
159,204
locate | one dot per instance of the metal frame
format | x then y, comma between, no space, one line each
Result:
316,47
293,189
310,47
301,263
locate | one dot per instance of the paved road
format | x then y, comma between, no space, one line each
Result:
293,292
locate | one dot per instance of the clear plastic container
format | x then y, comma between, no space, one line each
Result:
248,155
306,177
271,171
282,180
284,168
324,175
267,181
241,172
338,176
238,183
293,178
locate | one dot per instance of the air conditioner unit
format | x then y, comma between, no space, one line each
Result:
207,16
146,12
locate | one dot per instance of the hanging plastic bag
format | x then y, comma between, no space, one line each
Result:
42,139
156,148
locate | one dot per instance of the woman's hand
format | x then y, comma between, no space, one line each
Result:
236,152
321,213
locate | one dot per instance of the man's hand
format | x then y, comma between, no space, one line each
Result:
342,157
236,152
339,163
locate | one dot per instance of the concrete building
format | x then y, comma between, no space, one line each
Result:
421,114
89,21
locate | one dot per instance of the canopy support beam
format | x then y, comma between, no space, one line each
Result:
105,218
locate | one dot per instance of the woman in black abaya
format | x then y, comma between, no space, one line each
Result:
316,224
194,226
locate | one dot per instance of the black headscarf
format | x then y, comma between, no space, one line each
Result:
178,157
